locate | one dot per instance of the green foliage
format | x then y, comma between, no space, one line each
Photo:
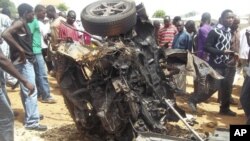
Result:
10,5
62,7
159,14
190,14
4,3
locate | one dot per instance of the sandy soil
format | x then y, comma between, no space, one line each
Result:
62,128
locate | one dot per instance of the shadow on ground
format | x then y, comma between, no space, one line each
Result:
63,133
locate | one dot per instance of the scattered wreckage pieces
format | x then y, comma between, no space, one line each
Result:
193,64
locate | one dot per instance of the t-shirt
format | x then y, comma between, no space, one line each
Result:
182,41
36,36
44,29
244,48
202,36
166,35
66,30
25,41
5,22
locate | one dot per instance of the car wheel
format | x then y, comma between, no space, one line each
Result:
109,17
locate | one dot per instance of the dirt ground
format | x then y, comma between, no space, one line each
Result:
62,128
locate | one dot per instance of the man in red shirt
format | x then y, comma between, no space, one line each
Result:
68,29
167,33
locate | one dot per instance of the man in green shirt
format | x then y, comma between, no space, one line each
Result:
39,66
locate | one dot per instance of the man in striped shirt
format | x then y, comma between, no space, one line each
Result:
167,33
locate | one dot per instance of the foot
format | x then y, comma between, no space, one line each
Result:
49,101
193,106
37,128
233,102
41,117
227,112
52,73
13,87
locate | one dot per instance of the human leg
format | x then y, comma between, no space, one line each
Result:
226,91
206,87
245,97
29,102
47,60
6,119
244,63
42,77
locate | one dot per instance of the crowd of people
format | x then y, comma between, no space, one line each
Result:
26,41
24,57
222,45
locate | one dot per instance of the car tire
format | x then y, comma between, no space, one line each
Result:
109,17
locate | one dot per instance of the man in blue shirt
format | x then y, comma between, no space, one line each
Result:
182,40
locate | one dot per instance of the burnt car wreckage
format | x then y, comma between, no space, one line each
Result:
121,89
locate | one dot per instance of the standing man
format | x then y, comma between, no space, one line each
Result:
54,28
245,91
202,35
182,40
244,51
167,33
235,45
42,82
218,45
68,29
20,39
200,86
6,114
157,26
5,22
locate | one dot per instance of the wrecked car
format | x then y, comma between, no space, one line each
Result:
118,89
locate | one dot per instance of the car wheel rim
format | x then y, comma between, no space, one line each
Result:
109,9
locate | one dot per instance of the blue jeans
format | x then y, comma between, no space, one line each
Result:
42,82
6,117
29,102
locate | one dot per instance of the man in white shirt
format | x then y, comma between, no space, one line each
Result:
244,50
5,22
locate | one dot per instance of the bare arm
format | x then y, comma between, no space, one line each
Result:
6,65
7,35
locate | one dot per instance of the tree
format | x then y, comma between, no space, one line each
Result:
159,14
10,5
190,14
62,7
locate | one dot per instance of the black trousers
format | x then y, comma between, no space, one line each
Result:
245,98
207,86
